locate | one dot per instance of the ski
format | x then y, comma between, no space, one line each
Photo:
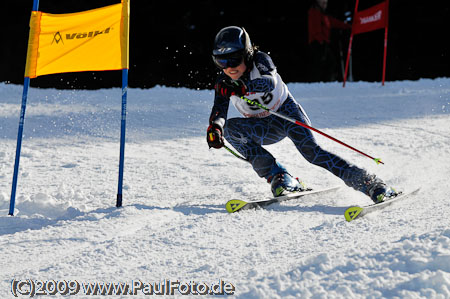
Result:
355,212
236,205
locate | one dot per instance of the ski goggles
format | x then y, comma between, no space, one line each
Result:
226,61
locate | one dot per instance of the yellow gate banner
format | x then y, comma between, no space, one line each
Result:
92,40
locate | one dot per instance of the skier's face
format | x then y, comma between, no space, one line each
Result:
235,72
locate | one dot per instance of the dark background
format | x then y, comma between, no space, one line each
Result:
171,41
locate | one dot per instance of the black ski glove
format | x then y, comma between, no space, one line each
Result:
214,136
227,87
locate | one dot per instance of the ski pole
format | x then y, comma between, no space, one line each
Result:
377,160
234,153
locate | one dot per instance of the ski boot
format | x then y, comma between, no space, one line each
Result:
381,193
283,183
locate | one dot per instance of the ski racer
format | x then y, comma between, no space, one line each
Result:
246,71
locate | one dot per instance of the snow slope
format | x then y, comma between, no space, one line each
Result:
173,225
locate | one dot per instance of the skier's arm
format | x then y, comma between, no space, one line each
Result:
219,110
268,71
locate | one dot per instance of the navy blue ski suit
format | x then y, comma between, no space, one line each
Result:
248,134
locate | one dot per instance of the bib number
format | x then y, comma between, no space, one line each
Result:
264,100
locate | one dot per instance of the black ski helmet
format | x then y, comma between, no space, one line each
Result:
233,40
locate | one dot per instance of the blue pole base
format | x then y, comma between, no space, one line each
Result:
119,200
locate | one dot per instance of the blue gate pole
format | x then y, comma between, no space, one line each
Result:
26,85
122,135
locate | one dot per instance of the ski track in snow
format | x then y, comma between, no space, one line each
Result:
173,224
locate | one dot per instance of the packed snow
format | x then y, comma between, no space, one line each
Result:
173,228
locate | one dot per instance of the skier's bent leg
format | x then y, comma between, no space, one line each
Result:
353,176
247,136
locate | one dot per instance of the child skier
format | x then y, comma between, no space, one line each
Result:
248,72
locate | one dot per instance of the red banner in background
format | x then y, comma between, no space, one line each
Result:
373,18
370,19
